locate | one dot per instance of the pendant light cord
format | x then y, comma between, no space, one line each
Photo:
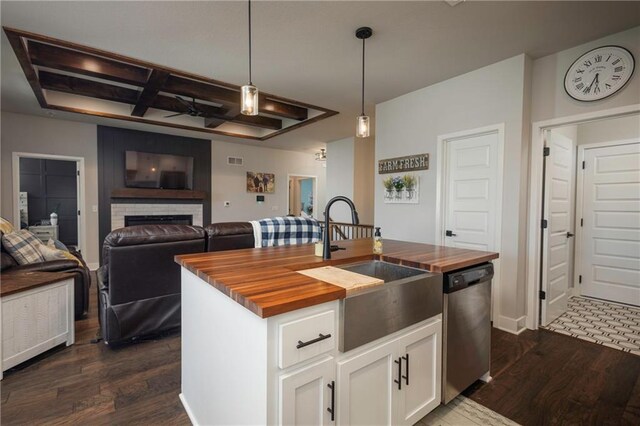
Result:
363,41
250,82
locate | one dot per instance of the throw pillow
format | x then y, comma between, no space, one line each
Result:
57,244
23,246
5,226
52,253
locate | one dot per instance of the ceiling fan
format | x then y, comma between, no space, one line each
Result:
192,109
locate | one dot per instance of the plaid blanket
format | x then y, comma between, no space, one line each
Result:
282,231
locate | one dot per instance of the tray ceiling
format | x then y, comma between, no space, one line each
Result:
71,77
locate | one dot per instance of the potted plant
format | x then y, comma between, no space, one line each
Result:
398,185
388,186
409,185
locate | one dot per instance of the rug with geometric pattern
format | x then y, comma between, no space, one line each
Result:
597,321
464,412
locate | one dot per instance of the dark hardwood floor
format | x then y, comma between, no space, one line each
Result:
538,378
92,384
544,378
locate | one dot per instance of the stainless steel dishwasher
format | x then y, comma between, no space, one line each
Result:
467,328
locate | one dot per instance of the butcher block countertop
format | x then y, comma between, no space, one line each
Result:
265,280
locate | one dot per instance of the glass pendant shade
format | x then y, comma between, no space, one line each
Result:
249,95
362,128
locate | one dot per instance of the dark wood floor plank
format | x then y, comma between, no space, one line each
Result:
549,378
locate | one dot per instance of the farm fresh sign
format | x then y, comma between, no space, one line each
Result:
408,163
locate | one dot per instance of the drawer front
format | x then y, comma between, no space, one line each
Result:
306,338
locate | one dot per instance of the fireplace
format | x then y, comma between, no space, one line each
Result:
181,219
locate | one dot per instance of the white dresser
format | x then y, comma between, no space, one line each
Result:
45,232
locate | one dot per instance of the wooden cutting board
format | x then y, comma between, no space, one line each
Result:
348,280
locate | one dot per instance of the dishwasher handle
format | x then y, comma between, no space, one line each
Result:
459,280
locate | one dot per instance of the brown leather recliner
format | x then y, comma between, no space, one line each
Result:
79,272
139,282
229,236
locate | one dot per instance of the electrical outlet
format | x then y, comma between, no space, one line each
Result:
94,208
227,203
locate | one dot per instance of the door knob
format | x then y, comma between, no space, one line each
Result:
449,233
569,235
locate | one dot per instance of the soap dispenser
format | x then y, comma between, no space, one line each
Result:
377,242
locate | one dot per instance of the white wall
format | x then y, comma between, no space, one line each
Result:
229,182
551,101
340,158
350,172
410,124
615,129
28,133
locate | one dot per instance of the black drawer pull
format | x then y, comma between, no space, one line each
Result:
332,409
320,338
399,381
406,378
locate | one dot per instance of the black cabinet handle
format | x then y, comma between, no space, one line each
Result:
331,409
449,233
399,381
406,378
320,338
569,235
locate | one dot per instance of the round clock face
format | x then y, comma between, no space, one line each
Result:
599,73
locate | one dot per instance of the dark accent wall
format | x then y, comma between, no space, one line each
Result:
52,185
112,144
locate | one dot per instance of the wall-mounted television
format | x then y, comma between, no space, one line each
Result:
148,170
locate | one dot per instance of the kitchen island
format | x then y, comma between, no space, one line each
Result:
260,340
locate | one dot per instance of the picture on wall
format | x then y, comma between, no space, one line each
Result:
261,182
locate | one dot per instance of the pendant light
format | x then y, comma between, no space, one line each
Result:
363,122
249,92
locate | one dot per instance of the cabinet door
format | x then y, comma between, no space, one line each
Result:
366,387
421,369
305,395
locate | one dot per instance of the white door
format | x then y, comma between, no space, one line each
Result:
305,395
421,353
366,387
610,243
471,192
559,212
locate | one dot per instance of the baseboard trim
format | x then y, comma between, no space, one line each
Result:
511,325
192,418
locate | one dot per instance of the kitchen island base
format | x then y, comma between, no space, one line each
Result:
239,368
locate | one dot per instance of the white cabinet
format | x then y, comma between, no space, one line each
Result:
307,396
365,387
421,364
393,383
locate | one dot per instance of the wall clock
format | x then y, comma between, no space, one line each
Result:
599,73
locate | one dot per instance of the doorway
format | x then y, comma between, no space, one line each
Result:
469,193
589,235
302,193
48,194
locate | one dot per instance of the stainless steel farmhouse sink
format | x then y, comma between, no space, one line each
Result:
407,297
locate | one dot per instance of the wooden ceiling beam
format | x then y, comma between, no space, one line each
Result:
20,48
82,87
46,55
109,92
208,92
150,92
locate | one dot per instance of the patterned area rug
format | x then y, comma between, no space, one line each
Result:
608,324
461,412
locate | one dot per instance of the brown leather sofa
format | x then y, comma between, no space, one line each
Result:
80,273
229,236
139,282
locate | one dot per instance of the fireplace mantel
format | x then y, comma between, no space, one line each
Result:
159,194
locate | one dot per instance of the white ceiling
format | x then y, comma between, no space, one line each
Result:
306,50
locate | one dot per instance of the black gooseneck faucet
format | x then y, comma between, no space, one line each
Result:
326,241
